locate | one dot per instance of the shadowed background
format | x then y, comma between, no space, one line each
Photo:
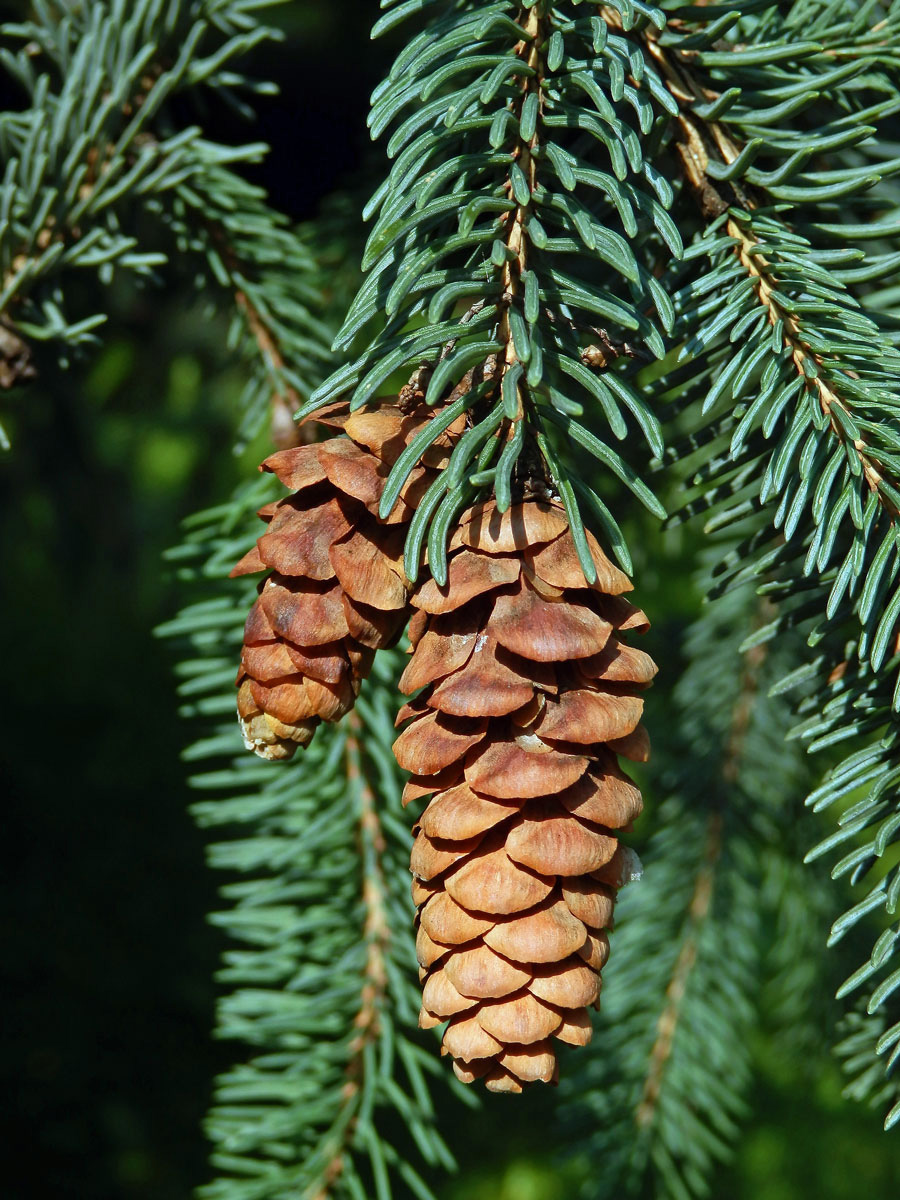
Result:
107,1057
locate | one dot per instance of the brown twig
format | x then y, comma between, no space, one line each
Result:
700,141
757,266
698,911
704,883
516,263
376,936
285,401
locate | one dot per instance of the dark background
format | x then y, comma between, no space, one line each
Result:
106,1055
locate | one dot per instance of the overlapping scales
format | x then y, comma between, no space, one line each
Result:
336,591
528,695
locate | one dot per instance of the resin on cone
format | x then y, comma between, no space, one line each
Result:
336,592
527,696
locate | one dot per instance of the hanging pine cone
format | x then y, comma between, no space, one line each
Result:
337,591
530,694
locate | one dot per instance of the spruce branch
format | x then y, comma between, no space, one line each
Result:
823,380
795,381
285,399
698,911
663,1096
320,986
376,935
497,238
97,150
699,907
705,141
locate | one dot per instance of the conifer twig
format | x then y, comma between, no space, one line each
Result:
698,910
792,335
285,401
376,935
704,885
700,139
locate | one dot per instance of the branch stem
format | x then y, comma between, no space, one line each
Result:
376,936
704,884
516,239
701,139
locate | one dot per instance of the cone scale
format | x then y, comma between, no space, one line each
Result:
526,694
336,591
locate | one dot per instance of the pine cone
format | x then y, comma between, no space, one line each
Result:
529,695
337,591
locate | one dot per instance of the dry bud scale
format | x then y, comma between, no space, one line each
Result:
336,592
527,695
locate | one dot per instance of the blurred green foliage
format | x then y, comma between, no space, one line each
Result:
106,1055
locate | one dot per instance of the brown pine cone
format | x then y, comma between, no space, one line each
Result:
337,591
529,694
